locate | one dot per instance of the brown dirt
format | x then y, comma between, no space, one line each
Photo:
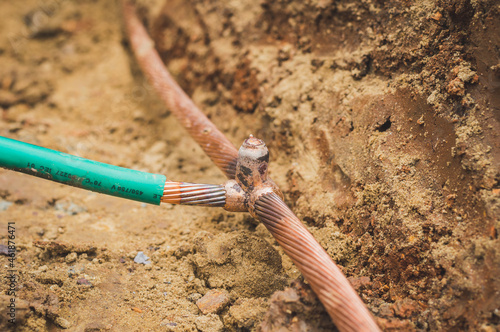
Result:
383,122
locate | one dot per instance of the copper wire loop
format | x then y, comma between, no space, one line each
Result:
194,194
333,289
220,150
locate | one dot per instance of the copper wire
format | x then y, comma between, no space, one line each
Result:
220,150
194,194
337,295
333,289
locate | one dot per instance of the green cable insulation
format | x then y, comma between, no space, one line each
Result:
79,172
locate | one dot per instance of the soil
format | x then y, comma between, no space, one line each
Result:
383,123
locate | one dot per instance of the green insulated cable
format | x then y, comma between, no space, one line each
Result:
80,172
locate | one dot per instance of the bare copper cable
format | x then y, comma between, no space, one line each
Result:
220,150
250,191
264,201
194,194
333,289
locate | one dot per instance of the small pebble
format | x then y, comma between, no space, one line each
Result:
83,281
4,205
141,258
213,301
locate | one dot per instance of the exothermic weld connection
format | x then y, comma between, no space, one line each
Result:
80,172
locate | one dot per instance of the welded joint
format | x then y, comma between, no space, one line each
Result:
251,178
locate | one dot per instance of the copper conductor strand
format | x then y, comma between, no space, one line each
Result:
220,150
344,306
194,194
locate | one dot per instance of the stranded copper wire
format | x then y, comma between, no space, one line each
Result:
220,150
194,194
250,190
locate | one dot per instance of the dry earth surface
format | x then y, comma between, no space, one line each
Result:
383,122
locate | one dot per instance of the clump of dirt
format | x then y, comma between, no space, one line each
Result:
382,120
296,308
245,314
240,262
